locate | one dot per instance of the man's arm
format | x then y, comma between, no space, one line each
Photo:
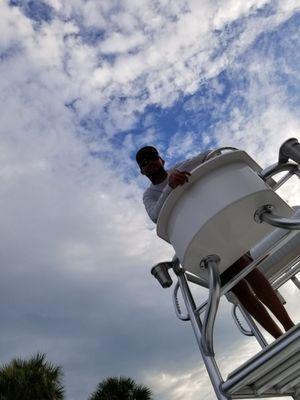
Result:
154,205
177,177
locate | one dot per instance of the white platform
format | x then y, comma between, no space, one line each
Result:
214,212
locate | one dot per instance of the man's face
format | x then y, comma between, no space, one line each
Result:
152,167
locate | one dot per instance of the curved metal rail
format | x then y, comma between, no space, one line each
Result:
277,168
238,323
269,172
211,264
254,331
218,152
182,317
265,214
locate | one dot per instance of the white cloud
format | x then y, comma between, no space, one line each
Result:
265,119
118,43
175,44
183,145
188,385
229,11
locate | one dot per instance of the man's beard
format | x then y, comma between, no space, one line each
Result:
158,175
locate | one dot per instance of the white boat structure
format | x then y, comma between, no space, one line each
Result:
209,232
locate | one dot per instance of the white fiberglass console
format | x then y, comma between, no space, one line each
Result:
214,212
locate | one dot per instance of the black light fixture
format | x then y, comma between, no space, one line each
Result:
160,272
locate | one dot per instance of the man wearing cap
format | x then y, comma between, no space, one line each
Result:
254,290
163,182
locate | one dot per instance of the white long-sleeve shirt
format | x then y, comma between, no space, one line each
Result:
155,195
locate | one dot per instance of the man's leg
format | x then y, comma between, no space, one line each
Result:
255,308
264,291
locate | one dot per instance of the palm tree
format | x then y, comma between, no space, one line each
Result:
33,379
121,389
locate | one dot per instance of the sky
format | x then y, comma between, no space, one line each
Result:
84,84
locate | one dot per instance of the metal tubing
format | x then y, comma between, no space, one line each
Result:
296,281
279,378
182,317
209,361
277,168
196,279
218,152
289,381
284,179
238,323
248,394
265,214
280,222
276,353
290,149
271,376
290,384
256,332
211,263
292,271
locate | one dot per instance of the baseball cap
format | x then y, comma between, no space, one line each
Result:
145,154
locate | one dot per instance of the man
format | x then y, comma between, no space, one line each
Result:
163,182
254,291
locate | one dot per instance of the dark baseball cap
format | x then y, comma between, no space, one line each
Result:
146,153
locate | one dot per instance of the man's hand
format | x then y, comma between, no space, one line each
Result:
178,178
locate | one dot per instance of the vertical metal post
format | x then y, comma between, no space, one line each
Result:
295,281
209,361
211,264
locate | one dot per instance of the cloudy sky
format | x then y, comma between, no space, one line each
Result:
84,84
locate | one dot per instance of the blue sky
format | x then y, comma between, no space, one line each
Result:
84,84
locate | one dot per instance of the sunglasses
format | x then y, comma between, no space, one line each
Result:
146,160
